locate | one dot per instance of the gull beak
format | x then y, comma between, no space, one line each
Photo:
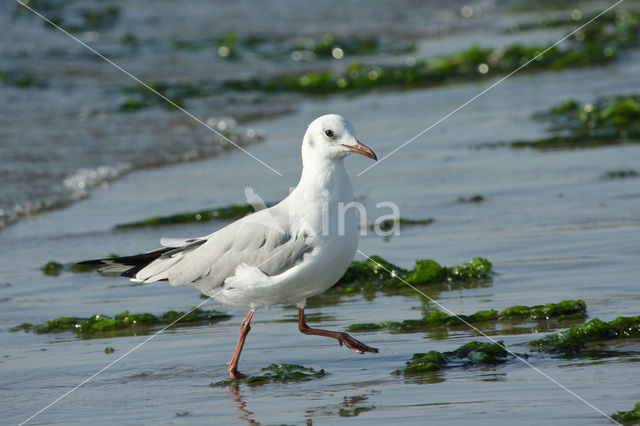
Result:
361,148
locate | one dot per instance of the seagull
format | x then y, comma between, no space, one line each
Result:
287,253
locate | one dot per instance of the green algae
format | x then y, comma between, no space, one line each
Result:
436,318
54,268
477,268
598,44
20,79
139,96
333,46
102,17
482,352
421,362
376,273
542,312
471,354
282,373
627,416
80,268
388,224
576,339
97,19
428,271
355,411
129,39
570,18
25,326
325,47
278,373
228,45
74,16
233,46
232,212
608,120
619,174
229,40
425,271
472,199
373,272
124,323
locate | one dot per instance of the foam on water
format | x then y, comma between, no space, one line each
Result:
54,193
84,179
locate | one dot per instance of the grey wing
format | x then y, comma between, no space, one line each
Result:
261,240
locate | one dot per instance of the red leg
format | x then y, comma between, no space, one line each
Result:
233,364
349,341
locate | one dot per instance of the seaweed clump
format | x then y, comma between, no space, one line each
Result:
355,411
437,318
620,174
576,339
472,354
627,416
609,120
332,46
279,373
232,212
124,323
140,96
369,274
20,79
389,224
375,273
472,199
54,268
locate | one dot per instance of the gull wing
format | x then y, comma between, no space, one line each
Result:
262,240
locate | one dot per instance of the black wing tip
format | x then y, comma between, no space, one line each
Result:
128,266
131,273
93,262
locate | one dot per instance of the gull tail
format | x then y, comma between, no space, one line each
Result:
127,266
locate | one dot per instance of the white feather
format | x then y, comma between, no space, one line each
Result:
283,254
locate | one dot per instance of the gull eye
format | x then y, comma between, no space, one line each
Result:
329,133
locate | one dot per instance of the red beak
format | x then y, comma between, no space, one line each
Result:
361,148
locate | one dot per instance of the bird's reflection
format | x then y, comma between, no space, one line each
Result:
234,390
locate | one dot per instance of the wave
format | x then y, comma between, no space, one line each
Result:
78,185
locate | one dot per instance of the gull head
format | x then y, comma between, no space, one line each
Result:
333,137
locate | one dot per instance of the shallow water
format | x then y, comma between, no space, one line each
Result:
76,97
552,227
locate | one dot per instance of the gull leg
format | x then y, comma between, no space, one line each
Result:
349,341
233,364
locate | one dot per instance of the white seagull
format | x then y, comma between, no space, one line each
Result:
284,254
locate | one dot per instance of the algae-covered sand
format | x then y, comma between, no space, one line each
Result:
604,121
124,323
437,318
